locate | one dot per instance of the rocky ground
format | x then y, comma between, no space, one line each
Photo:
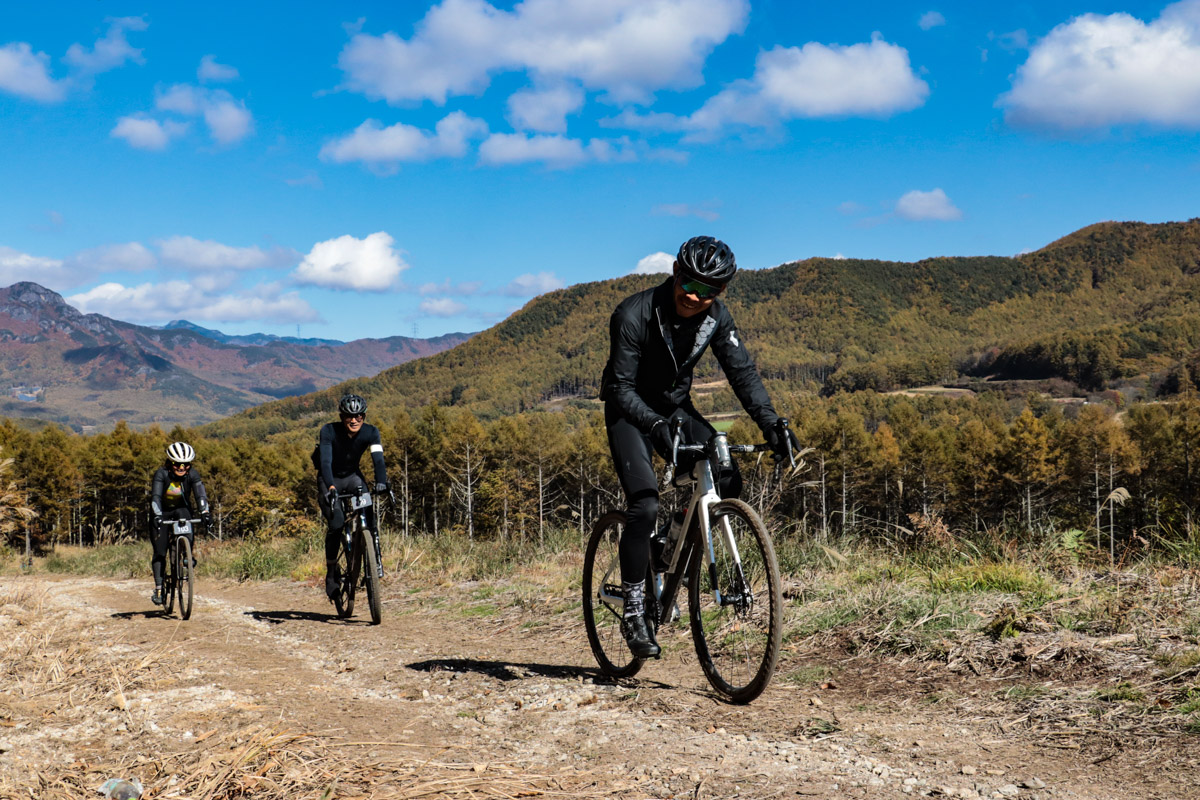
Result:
471,690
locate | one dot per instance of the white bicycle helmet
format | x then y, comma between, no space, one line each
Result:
180,452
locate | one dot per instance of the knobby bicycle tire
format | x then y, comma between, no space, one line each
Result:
738,640
371,575
343,601
356,559
602,618
168,584
183,571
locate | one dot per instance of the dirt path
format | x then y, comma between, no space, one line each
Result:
510,689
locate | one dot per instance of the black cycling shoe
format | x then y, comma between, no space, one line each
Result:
333,585
156,598
639,637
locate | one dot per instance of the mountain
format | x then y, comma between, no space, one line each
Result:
245,339
86,369
1108,305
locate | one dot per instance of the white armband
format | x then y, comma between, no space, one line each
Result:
376,448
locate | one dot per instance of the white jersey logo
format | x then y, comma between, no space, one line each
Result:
733,338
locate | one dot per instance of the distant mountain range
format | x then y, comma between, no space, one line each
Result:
1113,305
83,370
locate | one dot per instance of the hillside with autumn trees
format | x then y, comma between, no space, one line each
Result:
1044,399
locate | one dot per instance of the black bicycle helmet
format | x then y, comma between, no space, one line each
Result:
707,259
351,404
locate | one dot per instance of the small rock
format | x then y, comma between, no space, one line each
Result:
1033,783
967,769
1009,790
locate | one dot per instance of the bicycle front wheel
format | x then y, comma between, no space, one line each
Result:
183,572
602,604
735,603
370,567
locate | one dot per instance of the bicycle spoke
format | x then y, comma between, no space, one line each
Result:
601,599
735,604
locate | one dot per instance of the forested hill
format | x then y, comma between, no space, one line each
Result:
1106,303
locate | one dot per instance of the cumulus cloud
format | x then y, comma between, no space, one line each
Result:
627,48
544,110
705,213
127,257
442,307
370,264
1097,71
208,255
110,51
228,120
935,205
210,71
531,284
655,262
159,302
373,144
868,79
931,19
50,272
556,152
26,74
446,287
145,133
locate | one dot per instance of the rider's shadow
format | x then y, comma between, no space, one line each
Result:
155,613
280,617
510,671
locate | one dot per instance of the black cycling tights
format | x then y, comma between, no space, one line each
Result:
632,458
335,517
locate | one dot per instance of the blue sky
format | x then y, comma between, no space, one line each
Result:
373,169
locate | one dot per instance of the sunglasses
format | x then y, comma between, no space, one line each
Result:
702,290
359,417
177,465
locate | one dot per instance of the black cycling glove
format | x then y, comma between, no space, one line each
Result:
382,487
660,438
779,438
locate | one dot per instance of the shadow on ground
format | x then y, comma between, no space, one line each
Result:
280,617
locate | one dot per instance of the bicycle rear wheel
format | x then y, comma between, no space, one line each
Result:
183,572
602,598
735,603
370,567
168,584
343,601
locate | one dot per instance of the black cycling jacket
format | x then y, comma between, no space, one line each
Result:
337,454
163,498
642,376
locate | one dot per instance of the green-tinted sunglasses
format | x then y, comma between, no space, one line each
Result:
699,288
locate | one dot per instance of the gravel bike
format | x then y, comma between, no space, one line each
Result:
179,568
359,561
723,554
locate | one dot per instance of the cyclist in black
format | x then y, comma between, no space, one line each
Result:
340,447
655,339
169,492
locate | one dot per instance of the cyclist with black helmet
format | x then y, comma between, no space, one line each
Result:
340,446
172,485
655,339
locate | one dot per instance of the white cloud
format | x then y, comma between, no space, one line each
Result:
628,48
228,119
873,79
530,284
52,273
544,110
931,19
186,251
934,205
145,133
159,302
210,71
520,148
1097,71
371,143
110,51
655,262
369,264
442,307
446,287
24,73
686,210
127,257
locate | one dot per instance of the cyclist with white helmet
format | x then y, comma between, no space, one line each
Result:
173,484
655,339
340,446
